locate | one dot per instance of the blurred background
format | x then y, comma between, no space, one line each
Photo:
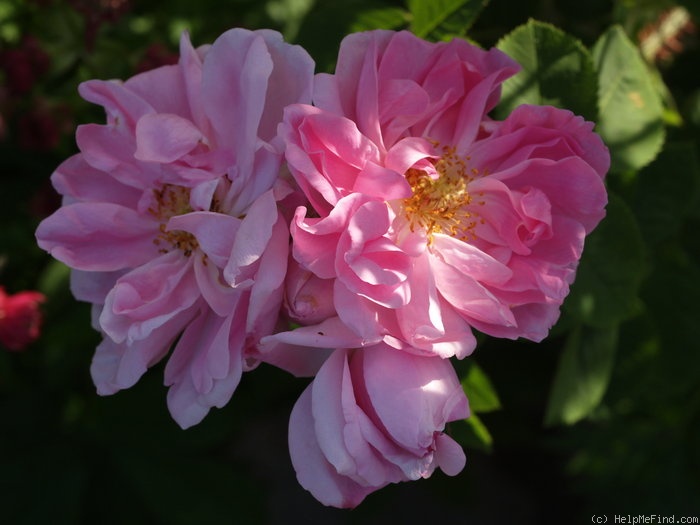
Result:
601,418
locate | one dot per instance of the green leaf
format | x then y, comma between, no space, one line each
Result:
472,433
608,279
289,13
384,18
631,111
442,19
583,374
480,392
665,191
54,279
557,70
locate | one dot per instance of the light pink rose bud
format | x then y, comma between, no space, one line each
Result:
375,416
308,298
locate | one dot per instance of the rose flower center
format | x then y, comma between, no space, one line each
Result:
169,201
442,204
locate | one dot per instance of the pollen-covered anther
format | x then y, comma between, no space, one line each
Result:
169,201
177,239
441,204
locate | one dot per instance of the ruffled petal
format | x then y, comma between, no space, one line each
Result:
314,472
98,236
148,297
205,368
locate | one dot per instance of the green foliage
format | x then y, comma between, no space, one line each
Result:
481,393
289,14
472,432
443,19
666,192
556,70
583,374
606,290
605,294
383,18
631,112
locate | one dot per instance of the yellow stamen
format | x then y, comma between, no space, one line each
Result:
169,201
442,204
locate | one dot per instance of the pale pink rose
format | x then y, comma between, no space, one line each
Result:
431,218
375,416
171,215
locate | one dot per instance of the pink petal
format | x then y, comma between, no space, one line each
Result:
300,361
79,181
98,236
124,108
306,163
290,82
430,325
266,293
449,455
408,152
314,472
92,287
162,88
190,69
315,240
214,231
409,394
252,237
205,368
358,313
468,297
165,137
220,297
148,297
331,333
235,76
112,150
117,366
470,260
382,183
332,402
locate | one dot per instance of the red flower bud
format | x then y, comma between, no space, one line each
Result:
20,318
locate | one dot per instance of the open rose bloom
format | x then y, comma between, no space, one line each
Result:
426,217
171,216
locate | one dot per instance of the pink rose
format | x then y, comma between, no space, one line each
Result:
308,299
20,319
170,215
431,218
375,416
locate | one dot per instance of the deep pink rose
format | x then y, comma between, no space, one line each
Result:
20,318
171,217
430,218
375,416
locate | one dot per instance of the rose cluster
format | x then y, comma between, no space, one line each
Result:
355,227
